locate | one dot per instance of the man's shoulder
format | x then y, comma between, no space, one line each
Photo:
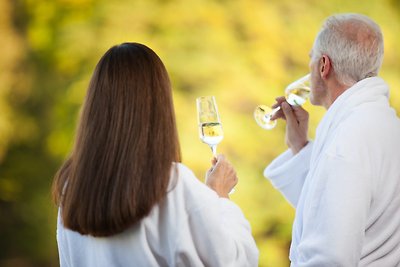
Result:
364,130
369,117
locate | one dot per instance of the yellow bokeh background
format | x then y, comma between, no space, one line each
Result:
243,52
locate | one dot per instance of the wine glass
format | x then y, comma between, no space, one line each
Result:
296,95
210,128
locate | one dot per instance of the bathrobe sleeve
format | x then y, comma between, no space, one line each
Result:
288,172
335,215
215,231
222,236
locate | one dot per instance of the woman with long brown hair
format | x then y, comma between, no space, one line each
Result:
124,197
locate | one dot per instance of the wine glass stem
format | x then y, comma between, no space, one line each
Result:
214,150
272,113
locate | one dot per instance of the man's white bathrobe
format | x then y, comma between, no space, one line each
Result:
345,185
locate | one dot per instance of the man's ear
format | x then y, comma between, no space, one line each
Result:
325,66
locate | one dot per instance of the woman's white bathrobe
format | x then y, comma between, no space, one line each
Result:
345,185
192,227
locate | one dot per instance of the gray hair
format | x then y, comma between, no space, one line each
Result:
354,43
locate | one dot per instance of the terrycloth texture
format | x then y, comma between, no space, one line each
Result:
192,227
345,185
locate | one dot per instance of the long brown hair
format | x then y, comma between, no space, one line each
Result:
125,144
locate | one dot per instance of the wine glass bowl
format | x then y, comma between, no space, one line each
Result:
298,91
210,127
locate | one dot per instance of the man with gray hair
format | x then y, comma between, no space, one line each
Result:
345,185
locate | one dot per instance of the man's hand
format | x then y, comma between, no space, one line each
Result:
296,124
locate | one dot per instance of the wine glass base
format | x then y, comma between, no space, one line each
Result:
262,115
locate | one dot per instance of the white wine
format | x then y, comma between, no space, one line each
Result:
298,96
210,128
211,133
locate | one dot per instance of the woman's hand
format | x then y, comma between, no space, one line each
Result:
221,177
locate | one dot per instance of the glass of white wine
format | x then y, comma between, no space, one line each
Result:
296,95
210,128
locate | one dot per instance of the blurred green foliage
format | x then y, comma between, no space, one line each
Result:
243,52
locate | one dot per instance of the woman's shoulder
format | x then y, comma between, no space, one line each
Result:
182,176
190,187
187,176
182,168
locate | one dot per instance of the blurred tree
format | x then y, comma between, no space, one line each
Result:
36,82
243,52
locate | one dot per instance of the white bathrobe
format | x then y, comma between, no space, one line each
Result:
345,185
192,227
